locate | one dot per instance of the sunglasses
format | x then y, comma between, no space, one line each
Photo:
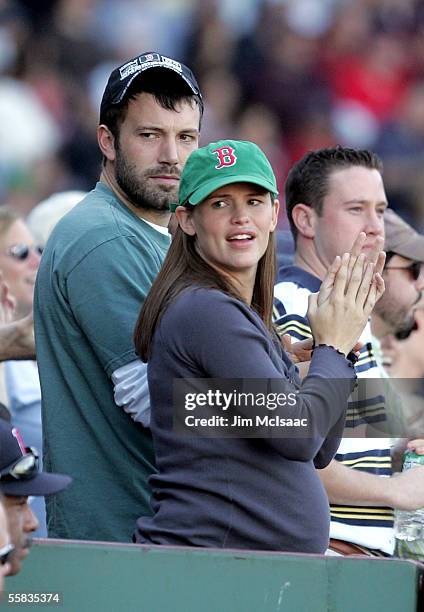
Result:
414,268
5,553
25,468
405,331
22,251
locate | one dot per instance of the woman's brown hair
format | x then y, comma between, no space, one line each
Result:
183,267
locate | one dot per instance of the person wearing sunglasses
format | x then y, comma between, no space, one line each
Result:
19,261
20,478
398,323
6,547
403,274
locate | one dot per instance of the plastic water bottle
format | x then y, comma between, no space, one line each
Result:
409,526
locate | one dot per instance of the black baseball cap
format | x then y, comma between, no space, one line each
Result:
122,77
19,473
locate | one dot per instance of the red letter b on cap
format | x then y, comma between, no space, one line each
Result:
225,156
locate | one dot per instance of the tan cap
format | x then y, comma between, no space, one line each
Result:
401,238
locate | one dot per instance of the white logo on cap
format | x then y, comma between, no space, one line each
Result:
151,60
149,57
129,68
172,63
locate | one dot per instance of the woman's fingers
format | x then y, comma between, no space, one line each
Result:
380,285
357,278
365,285
374,253
363,271
328,282
375,293
340,280
355,251
312,303
348,293
379,265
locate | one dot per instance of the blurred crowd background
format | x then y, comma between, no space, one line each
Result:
291,75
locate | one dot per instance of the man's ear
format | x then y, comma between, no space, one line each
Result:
106,142
185,220
304,219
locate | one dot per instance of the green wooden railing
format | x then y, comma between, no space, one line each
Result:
113,577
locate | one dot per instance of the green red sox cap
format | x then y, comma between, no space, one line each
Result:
222,163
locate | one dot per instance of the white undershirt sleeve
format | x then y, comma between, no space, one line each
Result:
131,391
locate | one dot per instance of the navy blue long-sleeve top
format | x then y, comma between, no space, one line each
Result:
255,493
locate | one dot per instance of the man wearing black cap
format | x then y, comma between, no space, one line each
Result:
97,268
19,478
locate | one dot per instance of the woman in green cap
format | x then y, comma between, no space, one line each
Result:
237,469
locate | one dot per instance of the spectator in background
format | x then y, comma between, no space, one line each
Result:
20,478
398,320
19,261
96,270
405,360
403,275
258,124
376,79
47,213
279,67
401,147
16,337
221,89
210,43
